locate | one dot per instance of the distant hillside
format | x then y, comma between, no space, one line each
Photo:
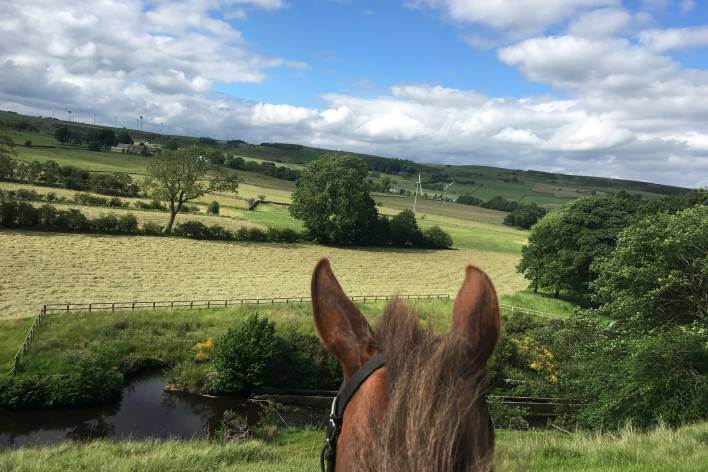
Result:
545,188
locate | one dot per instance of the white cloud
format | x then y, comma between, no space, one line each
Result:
627,110
516,15
675,38
600,23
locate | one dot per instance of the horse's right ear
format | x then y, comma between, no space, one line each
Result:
476,315
341,326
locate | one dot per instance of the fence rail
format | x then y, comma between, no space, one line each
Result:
58,308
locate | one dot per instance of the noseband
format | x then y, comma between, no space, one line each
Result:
339,404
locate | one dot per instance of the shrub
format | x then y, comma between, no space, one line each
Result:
111,223
218,232
204,350
619,377
90,382
152,205
151,228
214,208
405,230
192,229
27,215
437,238
256,234
303,362
244,356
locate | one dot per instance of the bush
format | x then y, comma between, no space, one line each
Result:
437,238
282,235
214,208
152,205
405,230
619,377
256,234
303,362
219,233
244,356
151,228
192,229
111,223
89,383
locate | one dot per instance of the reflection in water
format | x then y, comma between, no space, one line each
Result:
145,411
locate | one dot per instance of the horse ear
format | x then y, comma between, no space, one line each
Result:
476,314
341,326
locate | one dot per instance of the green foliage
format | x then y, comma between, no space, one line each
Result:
332,198
244,356
90,382
123,138
564,243
405,230
303,362
658,272
437,238
618,376
525,216
214,208
177,177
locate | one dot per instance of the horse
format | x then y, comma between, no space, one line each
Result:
410,400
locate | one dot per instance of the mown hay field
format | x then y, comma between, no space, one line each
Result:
38,268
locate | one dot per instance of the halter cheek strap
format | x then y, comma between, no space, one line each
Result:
339,404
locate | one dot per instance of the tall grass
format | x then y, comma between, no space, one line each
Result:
297,450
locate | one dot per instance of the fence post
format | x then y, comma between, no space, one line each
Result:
133,306
90,307
512,310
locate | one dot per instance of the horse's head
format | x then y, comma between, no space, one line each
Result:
423,410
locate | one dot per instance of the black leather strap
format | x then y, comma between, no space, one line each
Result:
339,404
350,388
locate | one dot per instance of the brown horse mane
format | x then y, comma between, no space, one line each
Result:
436,418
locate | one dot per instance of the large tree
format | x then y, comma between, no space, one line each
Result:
564,243
658,273
7,153
332,198
179,176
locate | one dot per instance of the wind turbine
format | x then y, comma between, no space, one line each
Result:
445,192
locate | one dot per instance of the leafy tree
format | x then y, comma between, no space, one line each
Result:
244,356
525,216
177,177
436,237
124,138
62,134
214,208
658,273
564,243
172,144
7,154
405,230
332,198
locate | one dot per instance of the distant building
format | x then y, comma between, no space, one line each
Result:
140,148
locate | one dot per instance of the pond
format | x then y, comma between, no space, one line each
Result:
146,410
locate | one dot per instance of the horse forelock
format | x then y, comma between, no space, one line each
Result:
436,418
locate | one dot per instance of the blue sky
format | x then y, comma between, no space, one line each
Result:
596,87
365,47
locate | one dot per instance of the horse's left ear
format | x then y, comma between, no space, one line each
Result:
342,327
476,315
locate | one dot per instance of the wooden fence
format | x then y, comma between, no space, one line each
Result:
58,308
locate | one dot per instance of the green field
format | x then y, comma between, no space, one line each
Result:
292,450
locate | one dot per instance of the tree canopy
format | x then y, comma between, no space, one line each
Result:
563,244
181,175
332,198
658,273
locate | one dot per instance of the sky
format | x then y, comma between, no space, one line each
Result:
593,87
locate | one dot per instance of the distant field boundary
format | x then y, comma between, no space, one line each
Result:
59,308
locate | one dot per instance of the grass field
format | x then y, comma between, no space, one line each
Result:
48,267
292,450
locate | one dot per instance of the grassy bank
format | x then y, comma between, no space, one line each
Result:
295,450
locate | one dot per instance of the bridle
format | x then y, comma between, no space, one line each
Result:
339,404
